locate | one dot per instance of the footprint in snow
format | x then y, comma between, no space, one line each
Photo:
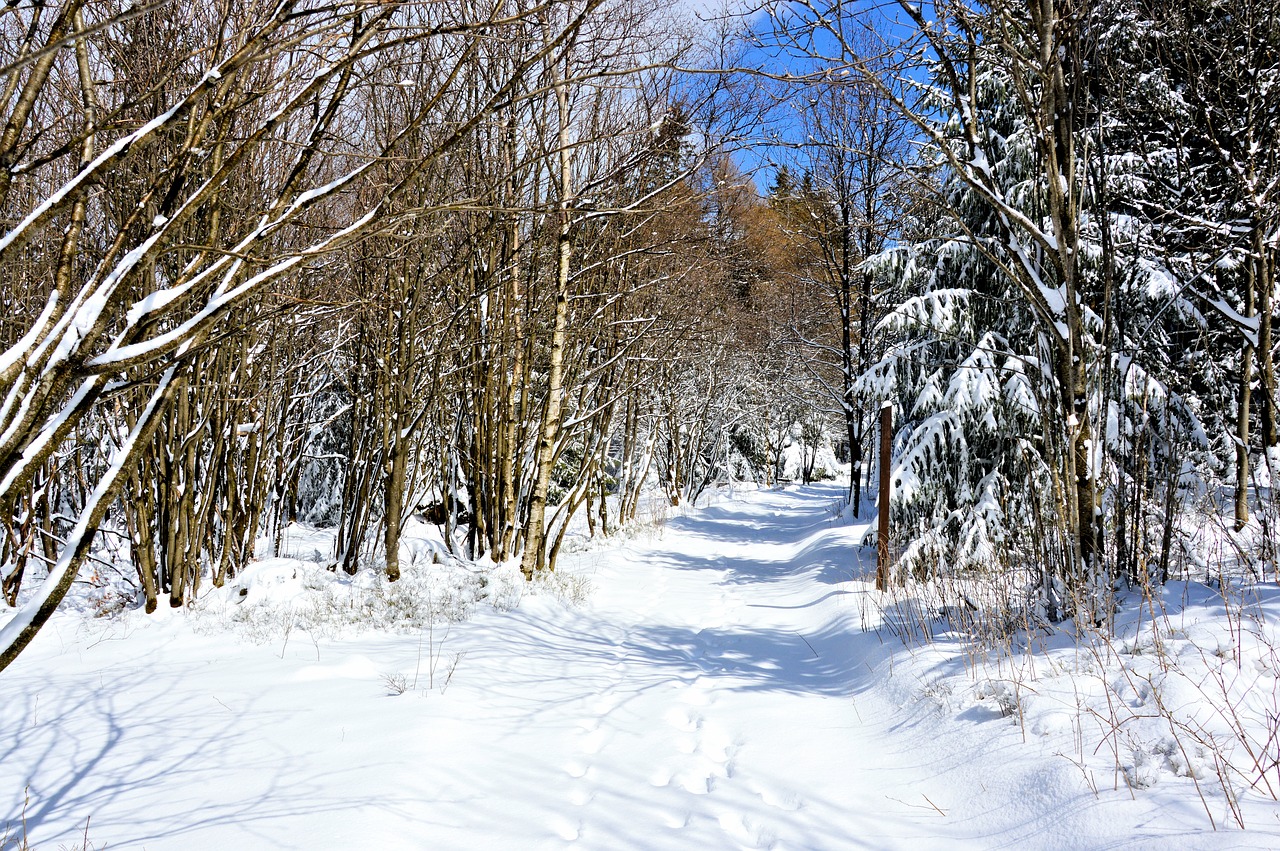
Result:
696,694
739,828
594,741
577,769
567,829
683,720
695,781
779,799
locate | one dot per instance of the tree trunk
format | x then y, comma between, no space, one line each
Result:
17,633
532,559
394,499
1244,401
1242,438
1264,283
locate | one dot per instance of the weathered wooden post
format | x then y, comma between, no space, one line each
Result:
882,541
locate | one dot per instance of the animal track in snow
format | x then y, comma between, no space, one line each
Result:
683,720
696,781
696,694
593,741
567,829
780,799
707,757
741,829
577,769
717,745
606,703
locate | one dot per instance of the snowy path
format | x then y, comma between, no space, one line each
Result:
716,691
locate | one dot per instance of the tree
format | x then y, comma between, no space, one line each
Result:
1032,57
851,148
129,308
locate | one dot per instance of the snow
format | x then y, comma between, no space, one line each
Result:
732,681
120,146
37,445
19,350
57,580
1248,325
153,302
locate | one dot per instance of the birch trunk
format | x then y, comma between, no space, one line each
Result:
532,559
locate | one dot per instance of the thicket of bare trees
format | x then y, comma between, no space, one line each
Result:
342,262
495,264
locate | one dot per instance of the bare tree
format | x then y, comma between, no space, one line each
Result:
272,88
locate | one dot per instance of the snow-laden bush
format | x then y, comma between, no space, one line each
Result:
1182,685
276,596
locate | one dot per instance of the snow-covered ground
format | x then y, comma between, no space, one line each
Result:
728,683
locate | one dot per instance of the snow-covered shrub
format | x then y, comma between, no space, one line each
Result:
504,587
276,596
1005,695
570,588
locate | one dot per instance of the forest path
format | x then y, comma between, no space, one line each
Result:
691,626
716,666
718,690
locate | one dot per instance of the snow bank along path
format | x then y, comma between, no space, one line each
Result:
716,691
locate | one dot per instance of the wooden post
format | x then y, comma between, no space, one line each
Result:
882,540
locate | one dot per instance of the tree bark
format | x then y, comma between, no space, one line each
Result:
532,559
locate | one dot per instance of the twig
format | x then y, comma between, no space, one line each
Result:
932,804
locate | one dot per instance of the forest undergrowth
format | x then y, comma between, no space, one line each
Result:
1166,683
